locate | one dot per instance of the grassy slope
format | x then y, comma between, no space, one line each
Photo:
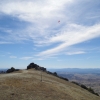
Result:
90,80
26,85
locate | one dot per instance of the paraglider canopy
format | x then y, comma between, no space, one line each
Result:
58,21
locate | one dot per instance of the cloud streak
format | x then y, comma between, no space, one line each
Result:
78,35
43,29
26,58
4,42
75,53
33,10
13,57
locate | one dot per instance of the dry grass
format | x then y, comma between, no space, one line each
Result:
90,80
27,85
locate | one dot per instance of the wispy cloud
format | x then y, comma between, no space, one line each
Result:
13,56
75,53
26,58
43,28
39,14
4,42
93,17
33,10
76,35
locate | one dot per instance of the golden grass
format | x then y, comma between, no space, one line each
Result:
27,85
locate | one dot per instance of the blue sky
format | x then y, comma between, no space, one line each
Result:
30,31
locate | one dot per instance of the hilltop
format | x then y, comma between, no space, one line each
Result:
27,85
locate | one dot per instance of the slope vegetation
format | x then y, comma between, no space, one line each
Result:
27,85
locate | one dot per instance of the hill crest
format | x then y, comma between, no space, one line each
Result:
27,85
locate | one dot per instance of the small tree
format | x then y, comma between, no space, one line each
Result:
12,69
83,86
55,73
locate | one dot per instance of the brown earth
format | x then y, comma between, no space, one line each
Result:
27,85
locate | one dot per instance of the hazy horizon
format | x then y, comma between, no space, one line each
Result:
49,68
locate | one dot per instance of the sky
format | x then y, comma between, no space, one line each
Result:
50,33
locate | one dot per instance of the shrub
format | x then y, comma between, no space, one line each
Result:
92,91
83,86
10,70
76,83
89,89
35,66
48,72
55,74
63,78
31,65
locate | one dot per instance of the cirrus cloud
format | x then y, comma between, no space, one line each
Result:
43,29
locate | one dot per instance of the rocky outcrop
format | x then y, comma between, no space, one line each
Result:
35,66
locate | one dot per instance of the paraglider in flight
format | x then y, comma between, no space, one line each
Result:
58,21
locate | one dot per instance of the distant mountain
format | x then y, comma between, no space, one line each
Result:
76,70
3,70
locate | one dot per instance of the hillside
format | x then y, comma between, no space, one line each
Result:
27,85
88,77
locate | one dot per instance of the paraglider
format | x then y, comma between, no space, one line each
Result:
58,21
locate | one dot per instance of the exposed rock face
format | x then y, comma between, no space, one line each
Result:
35,66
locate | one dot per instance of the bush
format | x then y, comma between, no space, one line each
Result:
35,66
63,78
92,91
10,70
83,86
76,83
31,65
89,89
55,74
